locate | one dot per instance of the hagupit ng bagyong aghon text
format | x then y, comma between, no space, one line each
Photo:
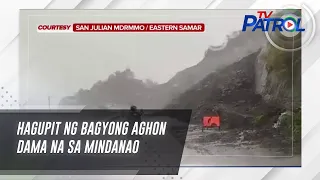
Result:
85,129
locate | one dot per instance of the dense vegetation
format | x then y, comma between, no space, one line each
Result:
284,82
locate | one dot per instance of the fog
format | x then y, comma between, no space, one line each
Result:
61,64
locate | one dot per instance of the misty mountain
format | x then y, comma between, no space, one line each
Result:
124,88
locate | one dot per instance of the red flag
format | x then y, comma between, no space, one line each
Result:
211,121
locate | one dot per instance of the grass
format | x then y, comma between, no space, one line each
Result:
260,120
291,127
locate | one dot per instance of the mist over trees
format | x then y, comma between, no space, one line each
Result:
121,87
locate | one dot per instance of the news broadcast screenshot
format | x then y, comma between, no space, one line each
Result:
151,94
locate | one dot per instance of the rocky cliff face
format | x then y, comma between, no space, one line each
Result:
260,72
231,90
278,72
238,45
278,76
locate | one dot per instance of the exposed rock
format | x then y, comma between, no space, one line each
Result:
231,89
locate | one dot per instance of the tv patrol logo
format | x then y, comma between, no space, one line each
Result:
264,22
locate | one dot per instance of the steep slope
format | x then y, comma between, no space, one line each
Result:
278,76
279,82
238,45
231,90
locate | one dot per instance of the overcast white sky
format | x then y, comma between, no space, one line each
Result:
60,64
